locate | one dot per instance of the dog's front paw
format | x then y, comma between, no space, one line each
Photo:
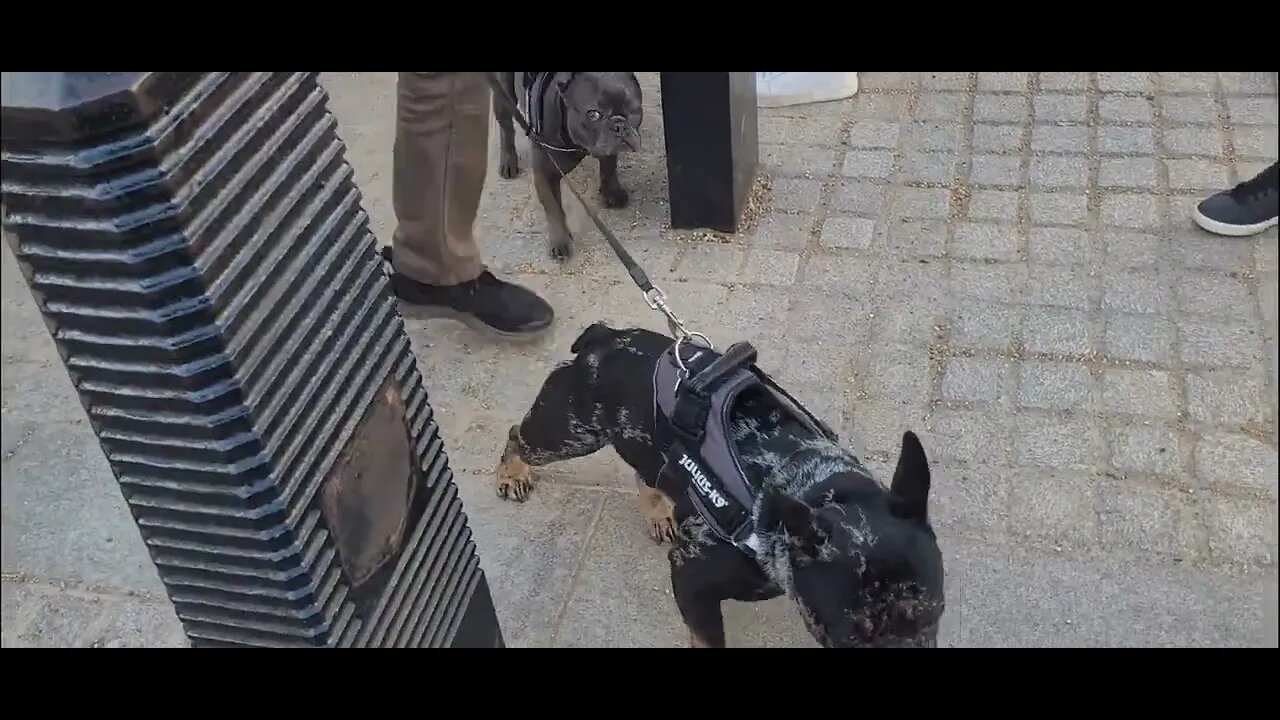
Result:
515,478
561,247
509,165
659,514
615,196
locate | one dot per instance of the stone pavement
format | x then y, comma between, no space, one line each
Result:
1002,262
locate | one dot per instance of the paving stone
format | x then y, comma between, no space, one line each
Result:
1001,170
921,203
1060,108
1187,81
941,106
994,205
1056,331
1139,337
760,315
1226,397
770,267
1076,81
838,273
1139,82
859,197
1059,208
1054,507
1242,530
895,373
1126,140
1257,141
40,392
1219,344
135,623
810,315
1125,109
873,107
1137,212
913,238
1059,139
981,241
983,325
1150,519
786,232
1140,173
884,80
1196,249
1215,295
1252,110
1150,393
797,131
927,167
709,263
1248,83
806,161
974,499
978,438
973,379
944,80
1195,109
874,134
18,600
847,231
1230,461
64,620
1051,442
997,138
1137,291
1071,287
1054,385
1127,249
1004,81
877,164
798,195
999,108
1146,448
1059,172
1198,175
1057,246
1193,141
997,283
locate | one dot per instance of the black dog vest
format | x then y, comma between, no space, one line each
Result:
537,87
692,425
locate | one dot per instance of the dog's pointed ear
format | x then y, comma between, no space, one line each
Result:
909,492
800,522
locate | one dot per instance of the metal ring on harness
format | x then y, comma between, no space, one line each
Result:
682,372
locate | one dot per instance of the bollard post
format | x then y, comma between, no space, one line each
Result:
709,120
199,251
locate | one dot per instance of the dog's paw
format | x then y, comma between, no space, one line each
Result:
509,165
661,529
615,197
515,479
562,248
659,514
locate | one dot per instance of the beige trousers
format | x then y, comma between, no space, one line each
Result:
441,154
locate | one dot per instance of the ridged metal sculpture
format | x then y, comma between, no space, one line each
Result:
199,251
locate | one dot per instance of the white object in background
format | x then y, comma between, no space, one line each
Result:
780,89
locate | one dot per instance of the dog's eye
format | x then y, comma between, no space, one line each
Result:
593,115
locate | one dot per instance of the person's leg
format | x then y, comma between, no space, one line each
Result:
441,157
1247,209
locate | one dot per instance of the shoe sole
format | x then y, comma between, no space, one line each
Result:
471,321
1220,228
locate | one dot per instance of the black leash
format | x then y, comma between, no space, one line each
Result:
653,296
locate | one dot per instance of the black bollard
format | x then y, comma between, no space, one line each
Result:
200,254
709,120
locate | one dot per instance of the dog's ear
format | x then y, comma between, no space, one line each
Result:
802,523
909,492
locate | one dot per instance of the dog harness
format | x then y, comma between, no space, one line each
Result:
537,86
692,409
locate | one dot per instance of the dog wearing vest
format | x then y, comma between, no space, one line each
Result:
573,115
757,496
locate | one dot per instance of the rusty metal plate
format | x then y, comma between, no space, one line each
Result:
367,494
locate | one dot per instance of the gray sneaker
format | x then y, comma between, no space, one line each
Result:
1246,209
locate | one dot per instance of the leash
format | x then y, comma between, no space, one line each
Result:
654,297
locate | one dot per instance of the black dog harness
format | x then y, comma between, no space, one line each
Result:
691,411
537,86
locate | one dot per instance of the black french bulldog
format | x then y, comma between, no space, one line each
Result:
860,561
577,114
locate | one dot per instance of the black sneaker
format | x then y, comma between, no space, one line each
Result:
1247,209
486,304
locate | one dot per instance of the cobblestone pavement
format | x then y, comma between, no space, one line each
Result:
1002,262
